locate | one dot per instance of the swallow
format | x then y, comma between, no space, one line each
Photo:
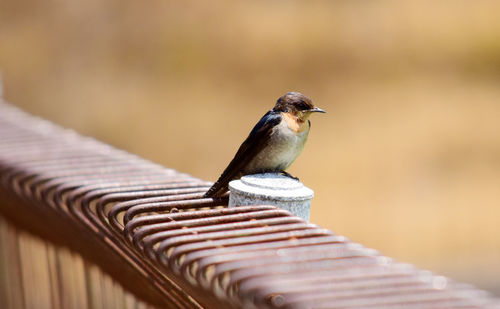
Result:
273,144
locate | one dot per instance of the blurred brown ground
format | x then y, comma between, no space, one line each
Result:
406,161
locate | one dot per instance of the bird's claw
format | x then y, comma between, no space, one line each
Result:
288,175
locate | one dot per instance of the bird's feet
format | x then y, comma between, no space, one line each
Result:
288,175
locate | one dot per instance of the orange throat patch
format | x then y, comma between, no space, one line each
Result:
296,123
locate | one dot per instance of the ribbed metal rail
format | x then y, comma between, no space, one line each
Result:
152,230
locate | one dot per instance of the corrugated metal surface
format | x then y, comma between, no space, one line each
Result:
150,228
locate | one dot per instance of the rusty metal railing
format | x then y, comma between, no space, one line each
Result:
152,230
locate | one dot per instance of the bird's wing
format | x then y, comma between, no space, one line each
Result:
255,142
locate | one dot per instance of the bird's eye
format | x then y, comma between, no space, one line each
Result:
302,106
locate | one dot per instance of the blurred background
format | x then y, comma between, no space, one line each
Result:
406,161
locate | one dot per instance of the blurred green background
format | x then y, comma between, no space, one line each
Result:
406,161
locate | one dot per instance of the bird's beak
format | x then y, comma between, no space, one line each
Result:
316,110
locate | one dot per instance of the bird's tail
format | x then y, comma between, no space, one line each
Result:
218,189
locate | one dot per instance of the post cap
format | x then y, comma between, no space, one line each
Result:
273,186
274,189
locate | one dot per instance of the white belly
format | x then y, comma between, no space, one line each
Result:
284,147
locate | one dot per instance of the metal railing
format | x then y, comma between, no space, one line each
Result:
150,228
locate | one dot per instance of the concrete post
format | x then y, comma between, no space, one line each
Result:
272,189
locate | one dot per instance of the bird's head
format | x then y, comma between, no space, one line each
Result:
296,104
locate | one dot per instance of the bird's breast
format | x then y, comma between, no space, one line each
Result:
283,147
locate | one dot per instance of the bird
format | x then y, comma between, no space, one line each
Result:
273,144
